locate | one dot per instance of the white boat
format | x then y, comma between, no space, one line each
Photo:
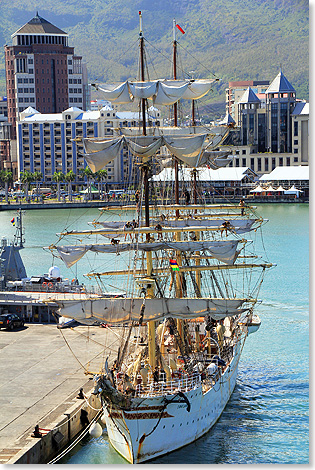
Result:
191,285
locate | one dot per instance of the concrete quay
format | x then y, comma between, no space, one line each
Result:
42,371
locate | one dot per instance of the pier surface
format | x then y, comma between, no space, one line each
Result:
41,376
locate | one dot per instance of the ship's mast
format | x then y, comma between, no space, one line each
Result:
175,115
150,287
18,236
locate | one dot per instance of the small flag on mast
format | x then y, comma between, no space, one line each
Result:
13,221
174,265
181,29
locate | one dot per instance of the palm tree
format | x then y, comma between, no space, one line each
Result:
58,176
90,176
70,177
26,177
7,177
38,176
100,177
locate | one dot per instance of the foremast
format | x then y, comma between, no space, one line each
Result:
145,178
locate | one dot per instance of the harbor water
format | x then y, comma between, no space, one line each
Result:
267,418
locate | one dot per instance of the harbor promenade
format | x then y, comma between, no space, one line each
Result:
41,376
13,206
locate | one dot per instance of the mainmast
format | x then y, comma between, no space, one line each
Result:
175,115
150,287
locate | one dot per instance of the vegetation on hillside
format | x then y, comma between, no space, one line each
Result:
229,39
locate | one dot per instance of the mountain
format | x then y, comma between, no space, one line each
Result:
229,39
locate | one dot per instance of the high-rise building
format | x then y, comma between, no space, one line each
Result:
42,71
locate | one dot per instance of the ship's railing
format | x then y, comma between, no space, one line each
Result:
180,384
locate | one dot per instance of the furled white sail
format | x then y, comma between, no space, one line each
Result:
142,90
162,92
197,89
118,93
224,251
121,310
170,91
97,160
186,149
144,146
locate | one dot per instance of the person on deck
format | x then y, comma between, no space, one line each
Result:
242,205
187,196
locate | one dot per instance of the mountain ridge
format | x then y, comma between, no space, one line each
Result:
232,39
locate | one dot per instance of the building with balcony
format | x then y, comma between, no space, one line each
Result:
51,143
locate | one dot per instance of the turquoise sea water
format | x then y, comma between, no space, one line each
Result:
266,419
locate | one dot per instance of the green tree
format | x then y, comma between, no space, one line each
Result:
88,173
100,176
70,177
58,177
26,177
38,176
6,177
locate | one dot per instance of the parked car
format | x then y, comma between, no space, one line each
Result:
10,321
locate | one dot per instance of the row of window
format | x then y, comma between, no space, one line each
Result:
25,80
26,90
75,90
266,163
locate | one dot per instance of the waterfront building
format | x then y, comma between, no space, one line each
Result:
51,143
280,104
272,128
236,90
300,118
298,177
227,181
42,71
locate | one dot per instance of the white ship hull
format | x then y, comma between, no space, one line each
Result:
153,429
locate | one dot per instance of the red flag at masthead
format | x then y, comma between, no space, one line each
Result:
181,29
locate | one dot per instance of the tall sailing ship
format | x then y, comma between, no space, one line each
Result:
189,283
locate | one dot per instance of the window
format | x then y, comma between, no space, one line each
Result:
25,80
273,163
281,161
31,80
296,142
243,152
70,80
25,90
296,128
288,161
20,80
296,159
296,150
266,164
252,164
243,161
237,162
31,71
258,164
